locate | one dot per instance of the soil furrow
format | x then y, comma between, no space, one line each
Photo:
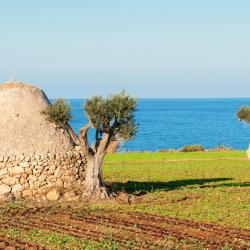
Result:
231,232
192,223
153,229
18,244
159,231
70,230
79,230
145,226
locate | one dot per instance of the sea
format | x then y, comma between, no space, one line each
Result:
173,123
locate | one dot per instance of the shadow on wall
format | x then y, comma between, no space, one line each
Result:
140,188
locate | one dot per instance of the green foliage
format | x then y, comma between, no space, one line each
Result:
244,114
192,148
13,232
59,112
113,115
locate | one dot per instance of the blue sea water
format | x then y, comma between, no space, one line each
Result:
173,123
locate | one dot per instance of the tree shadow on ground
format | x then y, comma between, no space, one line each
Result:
140,188
239,184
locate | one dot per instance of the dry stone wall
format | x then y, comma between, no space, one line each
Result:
45,177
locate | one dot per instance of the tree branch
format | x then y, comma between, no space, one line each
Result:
73,136
104,143
97,140
83,139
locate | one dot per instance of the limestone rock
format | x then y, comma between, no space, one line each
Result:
4,189
69,195
27,193
10,181
17,188
24,164
16,170
3,171
53,195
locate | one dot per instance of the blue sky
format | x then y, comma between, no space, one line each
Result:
151,48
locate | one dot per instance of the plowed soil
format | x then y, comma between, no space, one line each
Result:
146,231
12,244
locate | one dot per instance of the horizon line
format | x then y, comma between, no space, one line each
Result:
161,98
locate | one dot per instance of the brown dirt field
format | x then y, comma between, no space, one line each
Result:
145,230
10,244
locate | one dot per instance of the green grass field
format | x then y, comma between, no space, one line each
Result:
166,156
202,186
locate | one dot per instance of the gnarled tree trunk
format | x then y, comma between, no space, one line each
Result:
93,179
114,144
94,187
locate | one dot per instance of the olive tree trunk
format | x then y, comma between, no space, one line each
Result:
93,179
93,176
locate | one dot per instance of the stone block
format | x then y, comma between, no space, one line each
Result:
69,195
17,188
53,195
3,171
28,158
4,189
16,170
24,164
10,180
26,193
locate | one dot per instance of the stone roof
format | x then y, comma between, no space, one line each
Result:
23,128
10,85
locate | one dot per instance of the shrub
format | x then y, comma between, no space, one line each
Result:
244,114
192,148
59,112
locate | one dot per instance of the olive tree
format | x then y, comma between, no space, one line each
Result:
244,115
60,113
112,119
109,117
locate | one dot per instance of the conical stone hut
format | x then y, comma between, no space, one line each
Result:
37,159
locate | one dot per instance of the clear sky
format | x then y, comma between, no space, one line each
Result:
152,48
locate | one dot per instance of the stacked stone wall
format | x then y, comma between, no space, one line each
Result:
46,177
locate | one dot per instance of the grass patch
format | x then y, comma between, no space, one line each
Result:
166,156
53,240
211,190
